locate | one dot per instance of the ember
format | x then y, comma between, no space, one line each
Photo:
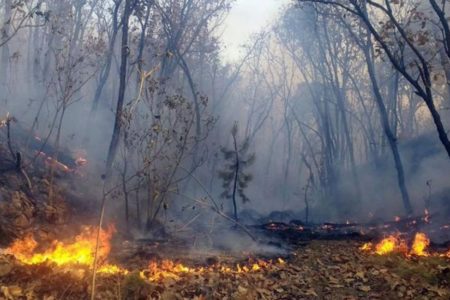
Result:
426,217
80,161
51,162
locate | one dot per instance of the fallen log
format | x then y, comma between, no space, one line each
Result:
22,138
298,231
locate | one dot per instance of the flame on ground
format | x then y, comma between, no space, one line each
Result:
420,244
79,252
390,244
394,243
168,269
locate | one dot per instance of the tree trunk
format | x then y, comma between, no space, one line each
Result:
368,51
104,73
4,59
122,86
236,174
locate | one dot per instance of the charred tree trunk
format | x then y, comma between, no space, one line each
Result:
122,86
4,59
104,73
187,72
139,61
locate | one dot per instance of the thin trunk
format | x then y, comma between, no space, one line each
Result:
368,51
188,74
422,89
125,191
236,174
4,59
122,86
104,73
138,207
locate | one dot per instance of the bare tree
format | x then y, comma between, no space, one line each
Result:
416,67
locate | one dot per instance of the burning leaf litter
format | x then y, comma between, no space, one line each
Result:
319,270
81,253
396,244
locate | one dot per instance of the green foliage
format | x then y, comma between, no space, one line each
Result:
237,160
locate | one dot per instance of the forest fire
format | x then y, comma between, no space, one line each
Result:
168,269
79,252
387,245
51,162
420,244
396,244
322,126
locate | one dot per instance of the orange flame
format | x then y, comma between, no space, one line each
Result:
394,243
387,245
168,269
420,244
80,252
366,247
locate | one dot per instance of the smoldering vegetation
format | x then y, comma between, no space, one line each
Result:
320,119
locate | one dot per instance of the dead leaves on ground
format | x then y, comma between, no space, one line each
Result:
322,270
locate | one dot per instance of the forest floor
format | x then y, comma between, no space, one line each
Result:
318,270
169,270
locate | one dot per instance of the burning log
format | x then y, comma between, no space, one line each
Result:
297,232
42,148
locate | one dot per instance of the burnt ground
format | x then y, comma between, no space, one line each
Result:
313,269
318,270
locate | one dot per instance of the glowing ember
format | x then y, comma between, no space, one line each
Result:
426,218
51,162
366,247
80,252
327,227
420,244
80,161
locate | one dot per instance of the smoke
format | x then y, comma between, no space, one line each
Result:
282,93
